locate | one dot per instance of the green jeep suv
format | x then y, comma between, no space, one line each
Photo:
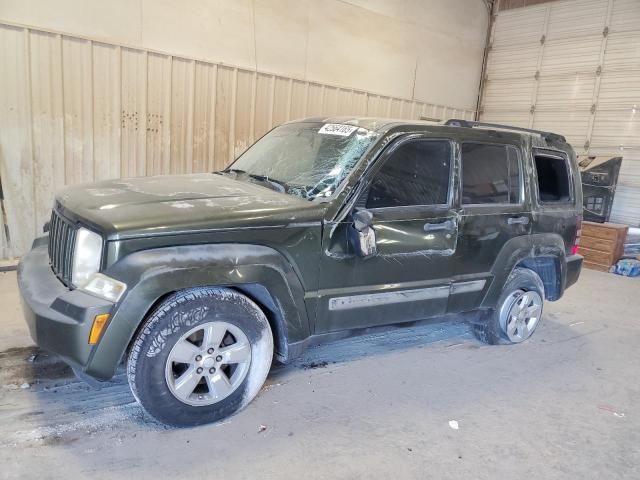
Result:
323,228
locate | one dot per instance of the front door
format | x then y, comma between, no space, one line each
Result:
409,194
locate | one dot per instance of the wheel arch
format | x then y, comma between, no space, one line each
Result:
542,253
260,273
547,267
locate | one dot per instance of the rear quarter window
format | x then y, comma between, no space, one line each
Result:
554,184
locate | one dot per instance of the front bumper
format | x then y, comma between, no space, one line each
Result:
59,319
574,267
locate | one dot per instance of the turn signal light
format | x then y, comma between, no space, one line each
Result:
99,323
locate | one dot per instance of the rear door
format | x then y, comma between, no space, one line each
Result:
410,197
494,210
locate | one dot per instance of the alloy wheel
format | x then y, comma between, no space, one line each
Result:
520,314
208,363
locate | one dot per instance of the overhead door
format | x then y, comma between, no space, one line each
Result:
573,67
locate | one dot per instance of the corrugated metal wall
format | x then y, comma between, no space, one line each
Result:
76,110
573,67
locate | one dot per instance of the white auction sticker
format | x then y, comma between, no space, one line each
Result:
337,129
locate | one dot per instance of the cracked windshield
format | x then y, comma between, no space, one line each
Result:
309,160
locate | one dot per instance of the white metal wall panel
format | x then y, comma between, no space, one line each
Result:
264,90
620,90
616,128
625,16
106,112
16,143
617,120
299,100
562,93
203,117
77,86
564,104
626,203
360,103
512,117
511,94
574,125
243,135
48,122
512,62
181,125
576,18
158,125
623,51
585,81
519,26
568,56
133,100
75,110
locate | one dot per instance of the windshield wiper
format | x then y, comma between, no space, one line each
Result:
237,171
276,184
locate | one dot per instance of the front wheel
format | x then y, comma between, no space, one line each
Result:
518,312
201,356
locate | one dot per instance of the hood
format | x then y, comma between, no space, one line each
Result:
175,203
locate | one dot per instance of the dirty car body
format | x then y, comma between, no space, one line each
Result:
345,241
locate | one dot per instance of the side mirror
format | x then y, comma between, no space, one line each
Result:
362,234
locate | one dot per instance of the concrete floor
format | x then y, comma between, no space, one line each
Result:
565,404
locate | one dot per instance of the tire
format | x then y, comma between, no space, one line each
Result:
168,356
510,322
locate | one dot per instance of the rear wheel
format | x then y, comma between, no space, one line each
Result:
202,355
518,312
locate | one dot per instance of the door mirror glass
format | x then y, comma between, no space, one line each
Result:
362,219
362,235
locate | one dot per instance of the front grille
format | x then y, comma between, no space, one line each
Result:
62,240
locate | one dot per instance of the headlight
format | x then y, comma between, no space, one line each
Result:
86,256
105,287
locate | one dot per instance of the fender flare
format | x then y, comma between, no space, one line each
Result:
154,273
520,250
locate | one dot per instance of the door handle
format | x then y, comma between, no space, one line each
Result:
518,220
447,226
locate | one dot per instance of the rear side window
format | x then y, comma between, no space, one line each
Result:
490,174
553,178
417,173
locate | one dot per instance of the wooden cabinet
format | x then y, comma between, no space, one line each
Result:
602,244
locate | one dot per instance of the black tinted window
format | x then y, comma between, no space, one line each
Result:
490,174
553,179
417,173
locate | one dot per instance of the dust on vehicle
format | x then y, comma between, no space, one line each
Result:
324,228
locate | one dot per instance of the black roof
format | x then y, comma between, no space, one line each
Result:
382,124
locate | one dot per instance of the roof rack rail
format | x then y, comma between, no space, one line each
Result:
548,136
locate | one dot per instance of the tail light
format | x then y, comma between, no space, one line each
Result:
576,243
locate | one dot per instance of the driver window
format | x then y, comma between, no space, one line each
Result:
417,173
